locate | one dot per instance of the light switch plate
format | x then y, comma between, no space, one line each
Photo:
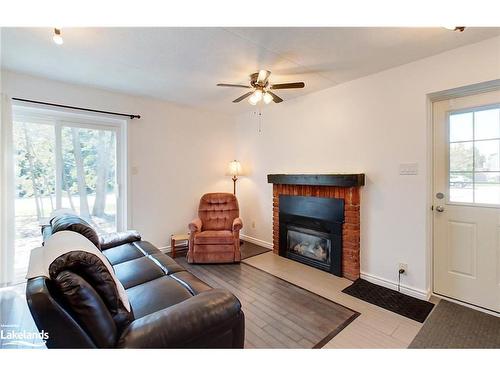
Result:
408,169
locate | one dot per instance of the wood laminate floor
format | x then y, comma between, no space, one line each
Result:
278,314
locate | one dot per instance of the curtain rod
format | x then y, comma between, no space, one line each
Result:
78,108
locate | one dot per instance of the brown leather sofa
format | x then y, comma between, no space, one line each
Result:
215,234
78,305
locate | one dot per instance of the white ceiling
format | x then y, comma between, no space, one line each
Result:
183,65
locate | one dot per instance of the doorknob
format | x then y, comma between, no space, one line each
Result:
439,208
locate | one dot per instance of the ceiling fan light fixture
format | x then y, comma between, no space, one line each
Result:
267,98
255,97
261,89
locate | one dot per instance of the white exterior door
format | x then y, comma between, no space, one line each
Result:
466,195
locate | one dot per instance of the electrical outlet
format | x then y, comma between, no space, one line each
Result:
404,267
253,224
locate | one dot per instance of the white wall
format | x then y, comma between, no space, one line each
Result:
179,152
369,125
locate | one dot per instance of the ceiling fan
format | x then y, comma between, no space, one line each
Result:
261,88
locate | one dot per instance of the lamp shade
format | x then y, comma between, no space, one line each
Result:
234,168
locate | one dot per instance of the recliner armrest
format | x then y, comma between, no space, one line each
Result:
237,224
195,225
110,240
193,323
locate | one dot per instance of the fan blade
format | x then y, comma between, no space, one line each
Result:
237,100
263,76
276,98
291,85
231,85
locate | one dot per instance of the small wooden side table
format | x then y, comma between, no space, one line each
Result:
174,239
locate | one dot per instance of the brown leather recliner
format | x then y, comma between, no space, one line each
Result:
215,234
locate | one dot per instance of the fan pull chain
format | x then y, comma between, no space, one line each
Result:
259,122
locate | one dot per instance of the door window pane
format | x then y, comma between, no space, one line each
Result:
461,156
487,155
461,187
461,128
474,157
487,187
487,124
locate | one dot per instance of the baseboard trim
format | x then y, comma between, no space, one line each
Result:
267,245
165,249
417,293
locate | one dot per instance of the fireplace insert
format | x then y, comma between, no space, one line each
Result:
311,231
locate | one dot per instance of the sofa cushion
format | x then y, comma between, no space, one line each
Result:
122,253
137,271
76,224
167,264
155,295
87,308
214,237
191,282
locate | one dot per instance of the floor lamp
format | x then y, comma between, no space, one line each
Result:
235,171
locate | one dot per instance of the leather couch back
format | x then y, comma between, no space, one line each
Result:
96,274
49,312
217,211
79,306
75,223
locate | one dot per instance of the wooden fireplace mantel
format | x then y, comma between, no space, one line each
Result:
338,180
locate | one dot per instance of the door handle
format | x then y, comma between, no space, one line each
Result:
439,208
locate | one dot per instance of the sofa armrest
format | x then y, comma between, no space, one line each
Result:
110,240
195,225
193,323
237,224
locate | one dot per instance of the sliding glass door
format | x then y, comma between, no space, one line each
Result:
87,174
64,163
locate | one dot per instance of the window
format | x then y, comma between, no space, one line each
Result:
474,156
65,161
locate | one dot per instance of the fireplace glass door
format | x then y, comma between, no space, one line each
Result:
309,243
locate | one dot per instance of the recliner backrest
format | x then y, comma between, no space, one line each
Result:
217,211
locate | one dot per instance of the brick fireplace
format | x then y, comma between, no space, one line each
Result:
336,186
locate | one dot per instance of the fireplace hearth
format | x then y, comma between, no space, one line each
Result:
311,231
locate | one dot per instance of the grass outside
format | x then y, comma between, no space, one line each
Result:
28,231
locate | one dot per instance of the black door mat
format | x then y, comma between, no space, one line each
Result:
391,300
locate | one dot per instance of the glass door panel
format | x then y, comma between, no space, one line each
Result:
34,158
89,178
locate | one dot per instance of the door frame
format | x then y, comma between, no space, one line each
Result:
458,92
66,117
